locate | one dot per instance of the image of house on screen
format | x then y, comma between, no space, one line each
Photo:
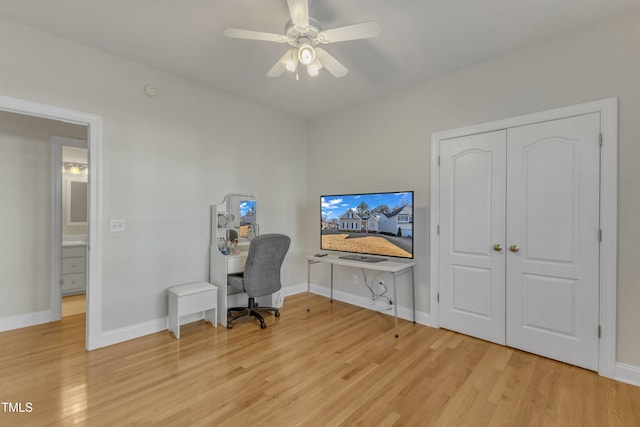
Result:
396,223
351,221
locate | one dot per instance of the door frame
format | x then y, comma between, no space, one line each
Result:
94,242
608,109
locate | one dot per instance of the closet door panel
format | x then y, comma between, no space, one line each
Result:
472,222
552,239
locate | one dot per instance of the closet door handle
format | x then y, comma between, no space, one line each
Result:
514,248
497,247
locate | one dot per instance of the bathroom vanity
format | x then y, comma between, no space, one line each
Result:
74,261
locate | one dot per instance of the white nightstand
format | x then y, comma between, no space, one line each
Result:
189,299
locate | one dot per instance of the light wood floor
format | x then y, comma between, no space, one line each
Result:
337,365
74,304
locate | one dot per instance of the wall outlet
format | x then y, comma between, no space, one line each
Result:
116,225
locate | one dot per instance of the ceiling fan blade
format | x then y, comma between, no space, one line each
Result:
236,33
276,70
280,66
364,30
331,64
299,11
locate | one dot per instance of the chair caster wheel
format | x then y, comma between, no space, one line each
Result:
277,313
263,325
229,325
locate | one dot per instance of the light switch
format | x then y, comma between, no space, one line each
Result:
116,225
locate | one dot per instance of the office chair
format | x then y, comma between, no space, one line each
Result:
261,276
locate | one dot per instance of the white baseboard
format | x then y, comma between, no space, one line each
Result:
628,374
296,289
25,320
127,333
360,301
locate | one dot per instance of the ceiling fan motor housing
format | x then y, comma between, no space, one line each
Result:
294,33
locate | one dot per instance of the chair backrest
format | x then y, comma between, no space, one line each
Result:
232,234
264,261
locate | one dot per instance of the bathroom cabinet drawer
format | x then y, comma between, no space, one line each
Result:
73,265
73,251
73,283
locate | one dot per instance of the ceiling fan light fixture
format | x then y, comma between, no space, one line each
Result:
314,68
312,71
306,53
291,63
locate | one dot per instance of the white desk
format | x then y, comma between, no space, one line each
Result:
221,265
392,267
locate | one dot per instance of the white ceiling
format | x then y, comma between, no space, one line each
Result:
420,40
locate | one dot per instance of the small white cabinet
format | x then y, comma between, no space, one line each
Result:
74,263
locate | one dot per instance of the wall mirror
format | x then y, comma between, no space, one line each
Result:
237,216
76,201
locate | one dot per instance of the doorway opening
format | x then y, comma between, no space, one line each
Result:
70,177
93,125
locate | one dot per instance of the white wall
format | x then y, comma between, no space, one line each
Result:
25,228
165,160
384,144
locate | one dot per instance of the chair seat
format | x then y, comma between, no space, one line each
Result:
235,284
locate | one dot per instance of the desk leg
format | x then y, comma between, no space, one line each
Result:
308,283
413,295
331,299
395,302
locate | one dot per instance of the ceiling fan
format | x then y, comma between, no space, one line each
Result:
305,36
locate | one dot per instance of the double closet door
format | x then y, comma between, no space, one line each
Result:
519,237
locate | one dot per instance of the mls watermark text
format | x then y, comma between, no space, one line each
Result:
17,407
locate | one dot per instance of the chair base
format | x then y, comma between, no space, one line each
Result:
250,310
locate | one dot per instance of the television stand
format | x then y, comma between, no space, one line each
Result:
362,258
393,267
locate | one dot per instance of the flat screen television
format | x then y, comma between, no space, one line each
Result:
359,225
